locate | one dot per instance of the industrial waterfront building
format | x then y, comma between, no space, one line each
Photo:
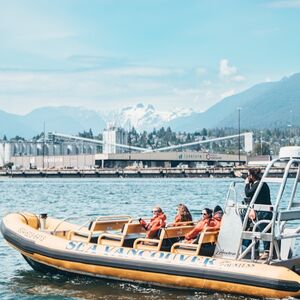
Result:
113,135
74,156
58,152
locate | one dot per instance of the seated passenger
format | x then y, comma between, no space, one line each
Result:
183,216
207,221
156,222
217,216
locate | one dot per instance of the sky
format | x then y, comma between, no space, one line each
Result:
109,54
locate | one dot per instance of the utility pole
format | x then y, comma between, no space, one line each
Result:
261,143
43,151
290,125
129,143
239,130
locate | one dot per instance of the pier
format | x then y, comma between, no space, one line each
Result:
133,173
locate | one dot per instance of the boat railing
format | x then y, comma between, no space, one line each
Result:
282,213
91,219
112,218
231,190
71,218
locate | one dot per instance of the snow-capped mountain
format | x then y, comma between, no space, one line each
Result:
143,117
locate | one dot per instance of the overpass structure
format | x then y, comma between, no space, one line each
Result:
248,140
166,156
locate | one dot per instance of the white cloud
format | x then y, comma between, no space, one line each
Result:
239,78
143,71
98,87
21,91
200,71
46,36
230,72
227,93
285,4
225,69
186,92
206,82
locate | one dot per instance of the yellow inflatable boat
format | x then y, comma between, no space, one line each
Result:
65,247
115,247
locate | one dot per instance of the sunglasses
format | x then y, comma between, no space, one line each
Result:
154,211
204,214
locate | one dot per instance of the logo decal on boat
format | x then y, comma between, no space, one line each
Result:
153,255
32,235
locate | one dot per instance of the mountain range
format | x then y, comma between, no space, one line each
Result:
64,119
265,105
143,117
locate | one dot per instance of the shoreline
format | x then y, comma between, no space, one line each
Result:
135,173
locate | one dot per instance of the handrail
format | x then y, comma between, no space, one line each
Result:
147,240
179,224
109,235
99,218
279,216
106,218
70,218
230,189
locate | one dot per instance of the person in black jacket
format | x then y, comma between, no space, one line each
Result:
263,197
252,182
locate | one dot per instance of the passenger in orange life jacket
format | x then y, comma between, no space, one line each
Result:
156,222
217,216
206,221
183,216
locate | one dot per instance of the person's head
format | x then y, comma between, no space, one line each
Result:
254,174
206,213
184,212
218,208
156,210
218,211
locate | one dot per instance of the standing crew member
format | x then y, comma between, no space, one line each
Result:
263,197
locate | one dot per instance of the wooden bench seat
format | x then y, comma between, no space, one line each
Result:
206,237
165,233
101,225
130,231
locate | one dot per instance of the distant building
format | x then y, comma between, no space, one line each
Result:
111,136
27,153
5,153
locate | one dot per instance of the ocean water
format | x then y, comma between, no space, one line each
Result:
77,197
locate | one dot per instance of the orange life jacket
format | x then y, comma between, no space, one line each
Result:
178,221
154,225
209,223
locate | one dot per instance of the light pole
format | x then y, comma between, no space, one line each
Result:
261,143
290,125
43,151
239,129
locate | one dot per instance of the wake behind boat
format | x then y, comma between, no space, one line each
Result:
115,247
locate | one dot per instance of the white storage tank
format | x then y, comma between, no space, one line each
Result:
7,153
1,154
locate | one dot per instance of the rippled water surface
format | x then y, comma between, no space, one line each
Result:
76,197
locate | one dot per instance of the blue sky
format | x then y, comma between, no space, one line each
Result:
106,54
